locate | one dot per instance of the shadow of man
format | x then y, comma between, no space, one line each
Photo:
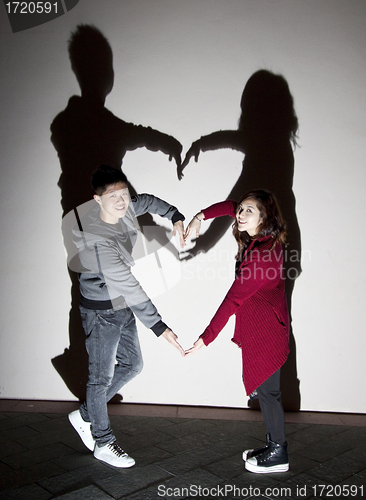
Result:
86,135
266,135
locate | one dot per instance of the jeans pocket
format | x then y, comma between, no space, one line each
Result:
109,317
87,320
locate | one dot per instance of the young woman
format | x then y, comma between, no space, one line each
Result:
257,298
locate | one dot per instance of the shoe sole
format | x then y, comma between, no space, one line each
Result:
73,422
266,470
115,465
245,454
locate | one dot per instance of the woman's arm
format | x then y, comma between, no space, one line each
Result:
227,207
233,300
194,225
253,275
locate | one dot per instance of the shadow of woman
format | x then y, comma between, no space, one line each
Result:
266,134
86,135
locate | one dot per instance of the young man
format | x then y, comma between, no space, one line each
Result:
110,298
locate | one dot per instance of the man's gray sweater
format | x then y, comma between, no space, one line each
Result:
105,252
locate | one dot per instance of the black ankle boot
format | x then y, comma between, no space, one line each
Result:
257,451
273,459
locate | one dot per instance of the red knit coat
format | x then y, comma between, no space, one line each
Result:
257,298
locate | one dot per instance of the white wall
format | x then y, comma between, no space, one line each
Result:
180,67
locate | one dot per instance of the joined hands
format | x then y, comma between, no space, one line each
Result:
171,337
196,346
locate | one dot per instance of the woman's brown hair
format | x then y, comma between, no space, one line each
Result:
271,220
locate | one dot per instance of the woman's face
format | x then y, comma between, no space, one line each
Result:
248,216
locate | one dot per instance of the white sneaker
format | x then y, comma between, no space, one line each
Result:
113,454
82,428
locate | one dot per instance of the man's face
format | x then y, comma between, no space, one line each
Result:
113,202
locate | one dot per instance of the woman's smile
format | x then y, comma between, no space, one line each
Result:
248,217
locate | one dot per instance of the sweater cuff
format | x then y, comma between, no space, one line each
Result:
205,339
177,216
205,212
159,328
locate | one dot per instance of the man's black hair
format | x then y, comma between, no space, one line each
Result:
104,176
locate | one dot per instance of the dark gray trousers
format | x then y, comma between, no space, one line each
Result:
269,396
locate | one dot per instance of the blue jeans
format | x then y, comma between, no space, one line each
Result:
115,358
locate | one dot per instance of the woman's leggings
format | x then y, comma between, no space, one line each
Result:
269,396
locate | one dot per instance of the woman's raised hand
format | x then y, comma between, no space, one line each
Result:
194,226
197,345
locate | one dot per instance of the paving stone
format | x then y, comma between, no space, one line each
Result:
140,441
315,433
176,420
66,435
55,415
321,451
294,445
231,446
142,495
121,421
128,481
336,470
76,479
31,492
7,475
291,427
238,430
188,442
361,473
195,483
300,464
239,426
28,475
51,424
39,455
17,434
10,448
160,422
246,484
88,493
150,455
351,438
21,420
135,426
227,467
188,460
356,480
335,445
117,485
301,485
75,460
189,427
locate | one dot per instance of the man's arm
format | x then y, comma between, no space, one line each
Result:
121,282
143,203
